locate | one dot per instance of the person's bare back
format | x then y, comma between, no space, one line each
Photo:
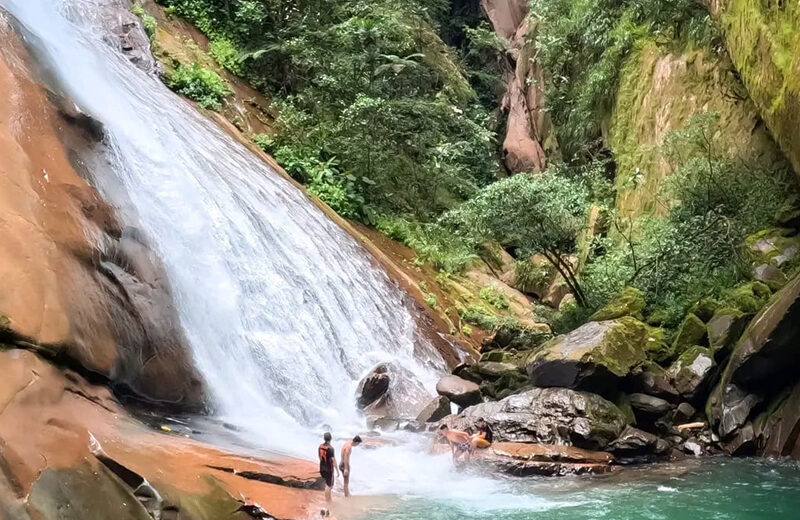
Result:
460,442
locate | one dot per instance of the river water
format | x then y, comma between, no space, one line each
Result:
718,489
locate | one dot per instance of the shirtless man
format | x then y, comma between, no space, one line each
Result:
344,466
460,442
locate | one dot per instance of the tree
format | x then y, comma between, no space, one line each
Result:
541,213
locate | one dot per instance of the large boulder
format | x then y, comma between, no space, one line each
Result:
691,372
523,460
460,391
594,357
629,302
725,327
762,368
436,410
373,386
550,416
650,378
633,441
691,332
392,393
649,405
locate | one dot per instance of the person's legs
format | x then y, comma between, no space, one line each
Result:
328,486
346,477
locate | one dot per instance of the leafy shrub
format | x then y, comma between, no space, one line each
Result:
198,83
697,250
226,54
493,297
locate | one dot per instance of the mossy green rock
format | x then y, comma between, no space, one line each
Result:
630,302
705,308
750,297
691,332
775,246
725,327
592,357
691,371
763,41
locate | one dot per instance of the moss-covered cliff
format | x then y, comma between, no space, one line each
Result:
763,41
661,88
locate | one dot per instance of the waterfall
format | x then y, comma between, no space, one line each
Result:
284,310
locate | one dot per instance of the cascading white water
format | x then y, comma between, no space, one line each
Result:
284,310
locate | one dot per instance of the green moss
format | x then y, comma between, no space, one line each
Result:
692,331
623,402
493,297
725,327
148,22
657,347
629,302
748,298
705,308
762,40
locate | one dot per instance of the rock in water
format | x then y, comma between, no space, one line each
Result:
593,357
550,416
437,409
633,441
393,394
373,385
462,392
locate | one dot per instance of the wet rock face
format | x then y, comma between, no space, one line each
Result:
633,441
692,371
87,289
373,386
550,416
131,37
593,357
523,460
390,393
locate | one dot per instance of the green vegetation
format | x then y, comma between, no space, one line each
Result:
198,83
148,22
388,112
368,87
583,45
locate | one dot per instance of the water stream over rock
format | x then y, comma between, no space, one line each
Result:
283,309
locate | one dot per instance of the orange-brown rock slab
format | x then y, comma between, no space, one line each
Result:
49,420
63,290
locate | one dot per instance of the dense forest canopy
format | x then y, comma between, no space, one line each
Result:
390,111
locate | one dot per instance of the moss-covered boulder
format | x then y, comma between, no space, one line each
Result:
630,302
763,42
770,276
692,331
595,356
725,327
750,297
774,246
691,372
705,308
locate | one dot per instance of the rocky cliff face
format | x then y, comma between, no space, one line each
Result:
764,44
660,90
78,285
528,137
